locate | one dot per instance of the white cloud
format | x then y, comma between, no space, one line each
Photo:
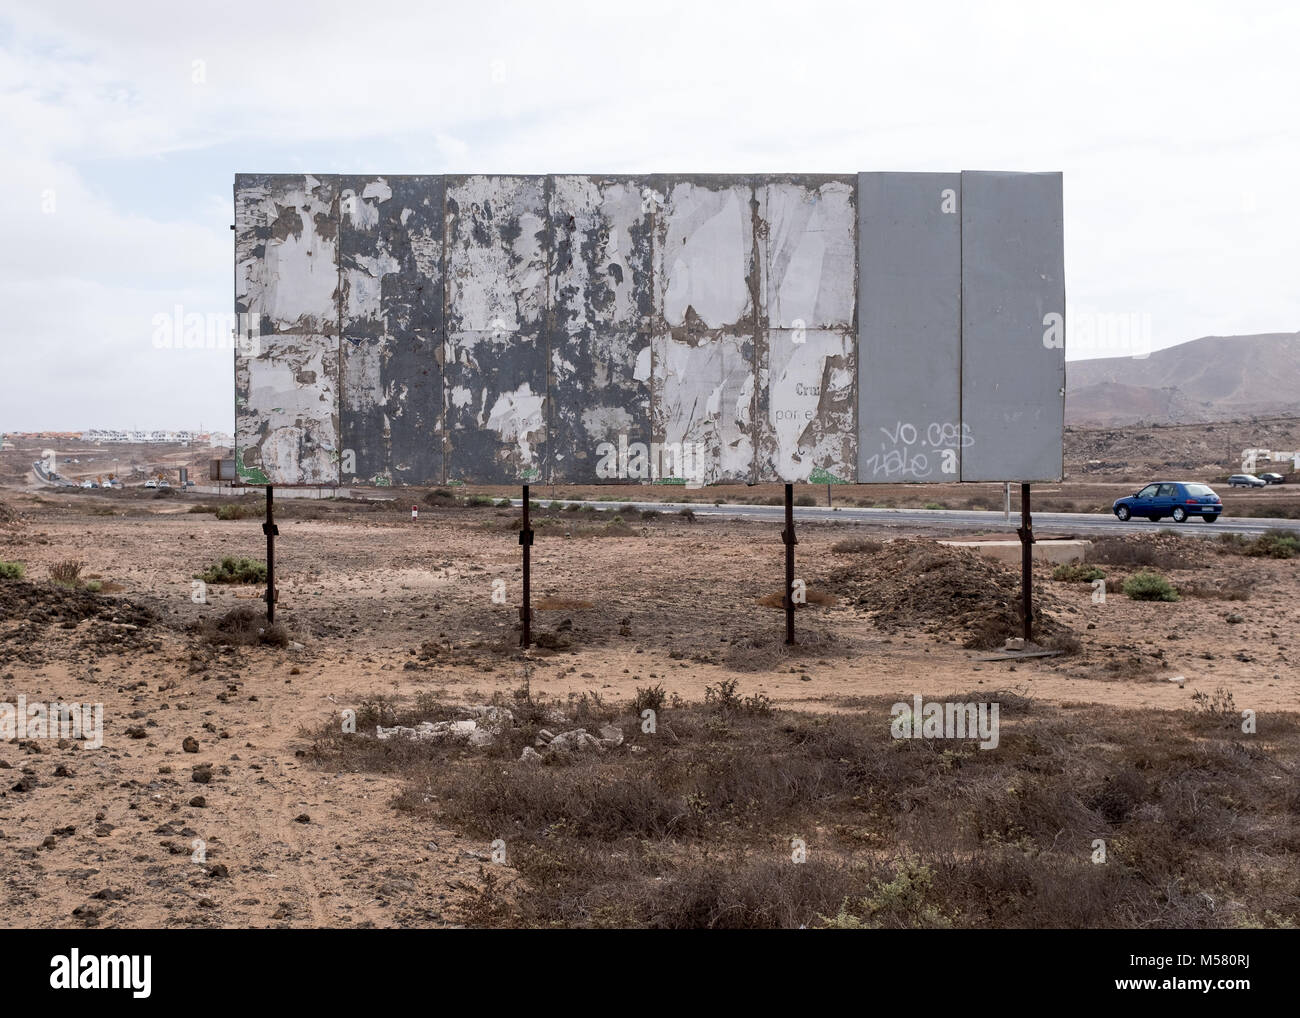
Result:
1173,123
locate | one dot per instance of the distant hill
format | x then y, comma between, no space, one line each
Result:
1211,379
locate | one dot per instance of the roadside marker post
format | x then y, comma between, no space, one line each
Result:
526,609
787,537
271,531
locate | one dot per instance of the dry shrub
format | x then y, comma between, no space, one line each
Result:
696,829
1162,551
243,627
67,573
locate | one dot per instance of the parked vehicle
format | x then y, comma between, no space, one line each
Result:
1246,481
1272,478
1175,499
151,483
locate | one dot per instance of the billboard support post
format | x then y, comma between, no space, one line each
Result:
270,530
526,609
1026,532
787,537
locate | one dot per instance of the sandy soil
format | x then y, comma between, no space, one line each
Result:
378,604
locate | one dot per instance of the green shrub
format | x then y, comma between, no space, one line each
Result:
1148,586
235,570
12,570
1275,544
235,511
1077,572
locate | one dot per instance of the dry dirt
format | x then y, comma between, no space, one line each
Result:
377,604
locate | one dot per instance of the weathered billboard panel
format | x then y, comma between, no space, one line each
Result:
497,264
687,328
1013,326
390,306
909,327
286,283
805,421
602,302
703,350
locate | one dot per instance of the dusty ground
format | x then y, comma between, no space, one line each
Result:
379,605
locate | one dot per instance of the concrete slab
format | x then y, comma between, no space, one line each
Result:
1053,552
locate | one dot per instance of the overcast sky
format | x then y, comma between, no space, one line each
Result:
124,123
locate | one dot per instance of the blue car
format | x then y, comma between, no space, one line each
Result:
1177,499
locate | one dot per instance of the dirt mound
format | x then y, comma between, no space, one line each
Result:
942,590
9,518
30,610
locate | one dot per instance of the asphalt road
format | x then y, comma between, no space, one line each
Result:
955,520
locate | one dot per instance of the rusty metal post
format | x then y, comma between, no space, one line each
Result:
787,536
270,530
1026,532
526,609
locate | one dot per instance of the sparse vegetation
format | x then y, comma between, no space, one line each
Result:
242,627
1149,586
235,570
67,573
695,828
12,570
1077,572
240,511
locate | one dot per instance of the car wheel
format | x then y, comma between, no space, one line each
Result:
1180,514
1123,513
1209,518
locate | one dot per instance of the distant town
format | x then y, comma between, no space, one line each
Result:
216,439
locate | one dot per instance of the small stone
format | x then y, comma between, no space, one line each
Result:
190,745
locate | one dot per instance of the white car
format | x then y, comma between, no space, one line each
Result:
151,483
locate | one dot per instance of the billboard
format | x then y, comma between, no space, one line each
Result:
670,328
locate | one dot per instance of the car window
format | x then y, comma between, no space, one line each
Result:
1199,489
1148,492
1166,490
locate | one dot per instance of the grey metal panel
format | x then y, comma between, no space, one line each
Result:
804,422
497,262
391,273
909,327
707,280
602,298
286,281
1013,279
